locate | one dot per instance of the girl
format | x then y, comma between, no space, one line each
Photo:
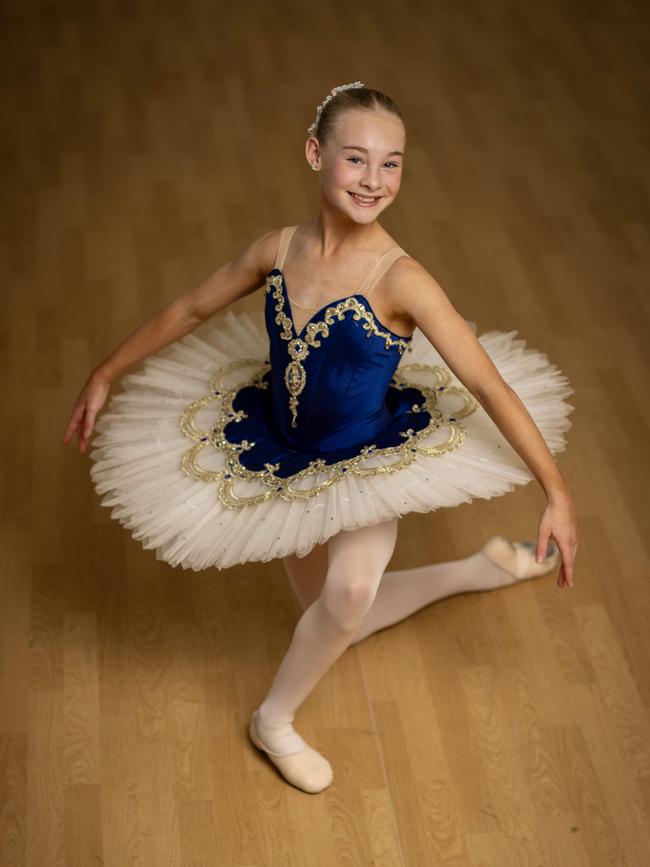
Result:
330,431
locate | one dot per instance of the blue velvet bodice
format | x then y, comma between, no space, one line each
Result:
329,390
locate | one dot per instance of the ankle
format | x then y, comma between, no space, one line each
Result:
279,737
270,717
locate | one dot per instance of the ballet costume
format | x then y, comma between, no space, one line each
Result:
261,435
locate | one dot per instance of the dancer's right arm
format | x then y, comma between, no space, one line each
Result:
234,280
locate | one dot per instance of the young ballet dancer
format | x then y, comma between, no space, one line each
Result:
370,397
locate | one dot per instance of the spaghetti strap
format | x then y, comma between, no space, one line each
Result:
380,268
376,272
285,240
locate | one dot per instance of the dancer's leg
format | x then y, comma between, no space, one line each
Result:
357,559
402,592
307,574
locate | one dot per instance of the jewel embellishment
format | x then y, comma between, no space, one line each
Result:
295,376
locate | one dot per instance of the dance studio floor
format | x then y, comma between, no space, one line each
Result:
145,145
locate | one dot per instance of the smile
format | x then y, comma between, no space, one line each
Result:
365,201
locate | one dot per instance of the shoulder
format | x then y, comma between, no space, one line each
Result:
407,271
409,286
261,253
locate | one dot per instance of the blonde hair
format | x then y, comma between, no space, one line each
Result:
346,97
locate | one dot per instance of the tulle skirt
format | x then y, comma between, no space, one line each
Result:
161,465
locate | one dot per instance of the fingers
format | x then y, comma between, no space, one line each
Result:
84,440
77,414
88,428
568,552
542,545
83,430
561,577
90,401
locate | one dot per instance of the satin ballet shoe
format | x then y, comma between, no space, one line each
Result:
500,550
307,769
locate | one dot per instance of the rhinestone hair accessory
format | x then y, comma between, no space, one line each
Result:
311,130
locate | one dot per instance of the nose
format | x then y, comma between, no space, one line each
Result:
370,180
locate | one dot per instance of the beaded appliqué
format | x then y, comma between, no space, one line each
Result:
295,376
292,487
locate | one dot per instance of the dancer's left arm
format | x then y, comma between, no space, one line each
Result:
417,296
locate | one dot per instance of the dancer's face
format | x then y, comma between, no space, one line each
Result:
365,155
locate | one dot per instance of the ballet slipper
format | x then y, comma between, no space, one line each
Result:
518,558
306,769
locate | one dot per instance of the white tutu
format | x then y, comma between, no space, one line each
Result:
158,465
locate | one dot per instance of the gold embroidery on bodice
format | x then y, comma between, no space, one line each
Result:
295,376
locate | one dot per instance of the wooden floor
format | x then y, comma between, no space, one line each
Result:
145,144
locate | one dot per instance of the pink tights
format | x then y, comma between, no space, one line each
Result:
346,596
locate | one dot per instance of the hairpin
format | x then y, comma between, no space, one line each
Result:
312,129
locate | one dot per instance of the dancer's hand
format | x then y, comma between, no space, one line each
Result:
559,520
90,401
